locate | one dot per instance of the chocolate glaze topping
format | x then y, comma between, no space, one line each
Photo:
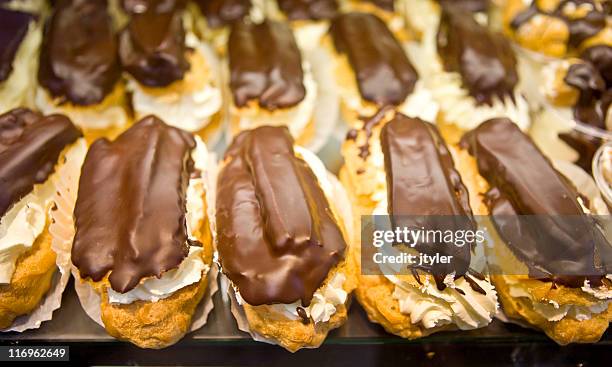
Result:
152,47
580,29
79,61
558,242
220,13
423,187
384,73
13,29
308,9
265,65
30,146
278,237
484,59
130,210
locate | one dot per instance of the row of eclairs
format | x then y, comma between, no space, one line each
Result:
109,111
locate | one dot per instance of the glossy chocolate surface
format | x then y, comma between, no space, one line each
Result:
265,65
484,59
79,60
383,72
131,205
152,47
14,26
277,236
558,242
220,13
30,146
308,9
423,188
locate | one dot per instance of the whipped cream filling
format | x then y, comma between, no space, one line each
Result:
420,103
552,311
455,102
189,111
296,118
327,298
25,221
308,36
430,307
94,117
17,89
192,268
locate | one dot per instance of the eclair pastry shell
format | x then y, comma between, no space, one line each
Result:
375,292
156,325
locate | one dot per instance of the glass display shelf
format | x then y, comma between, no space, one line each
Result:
357,343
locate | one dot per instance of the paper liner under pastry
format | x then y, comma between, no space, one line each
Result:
90,299
343,205
585,186
66,183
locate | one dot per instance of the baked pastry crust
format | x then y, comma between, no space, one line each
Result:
294,334
157,325
31,280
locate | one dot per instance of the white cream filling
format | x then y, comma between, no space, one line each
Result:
25,221
427,305
31,6
17,89
296,118
552,311
191,269
455,102
92,117
189,111
308,36
326,299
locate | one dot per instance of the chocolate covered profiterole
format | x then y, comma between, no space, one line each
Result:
472,74
309,19
400,167
558,28
170,73
79,72
19,42
372,70
269,80
35,152
551,256
282,242
143,240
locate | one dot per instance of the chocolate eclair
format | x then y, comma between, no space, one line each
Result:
558,28
171,74
309,19
142,237
213,18
269,80
400,168
372,69
79,72
283,240
472,73
551,260
38,155
20,37
577,93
